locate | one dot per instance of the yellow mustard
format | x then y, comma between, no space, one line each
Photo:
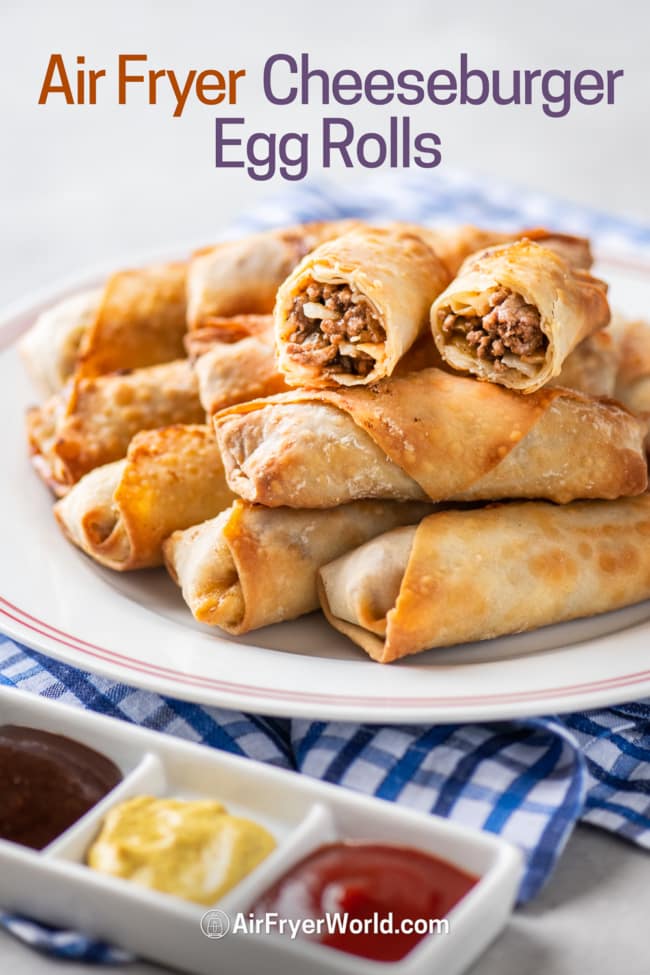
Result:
191,848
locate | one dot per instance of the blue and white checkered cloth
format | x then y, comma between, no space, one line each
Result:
529,780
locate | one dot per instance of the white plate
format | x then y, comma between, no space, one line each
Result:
136,629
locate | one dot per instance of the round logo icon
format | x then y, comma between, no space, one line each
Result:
215,924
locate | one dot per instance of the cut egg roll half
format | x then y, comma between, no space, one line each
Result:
514,314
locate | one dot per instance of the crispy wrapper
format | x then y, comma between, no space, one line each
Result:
389,275
251,566
235,361
51,346
558,307
472,575
140,321
121,513
240,277
430,434
92,422
633,378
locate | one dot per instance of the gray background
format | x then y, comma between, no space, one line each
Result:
81,186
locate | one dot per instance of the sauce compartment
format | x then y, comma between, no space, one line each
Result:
303,815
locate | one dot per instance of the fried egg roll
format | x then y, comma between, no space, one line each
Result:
252,566
140,321
234,360
51,346
120,513
514,314
355,306
91,422
242,276
430,435
461,576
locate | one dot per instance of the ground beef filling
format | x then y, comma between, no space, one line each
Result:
510,328
326,319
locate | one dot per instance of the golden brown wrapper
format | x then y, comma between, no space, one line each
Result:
235,361
141,321
462,576
570,303
121,513
431,435
92,422
242,276
252,566
393,272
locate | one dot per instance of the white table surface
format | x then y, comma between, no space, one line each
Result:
82,186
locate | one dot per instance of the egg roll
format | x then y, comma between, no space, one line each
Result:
121,513
461,576
592,367
51,346
242,276
234,360
453,245
633,378
355,306
141,321
432,435
514,314
252,566
91,422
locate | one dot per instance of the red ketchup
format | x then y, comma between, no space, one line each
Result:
370,882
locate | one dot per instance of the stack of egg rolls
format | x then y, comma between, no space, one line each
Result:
329,412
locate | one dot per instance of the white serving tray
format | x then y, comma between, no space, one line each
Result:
56,887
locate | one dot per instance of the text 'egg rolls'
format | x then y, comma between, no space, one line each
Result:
92,422
355,306
242,276
462,576
120,513
430,435
51,346
253,566
140,321
514,314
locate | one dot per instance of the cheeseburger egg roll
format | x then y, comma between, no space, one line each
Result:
515,313
91,422
253,566
430,435
461,576
140,321
120,513
234,360
354,306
